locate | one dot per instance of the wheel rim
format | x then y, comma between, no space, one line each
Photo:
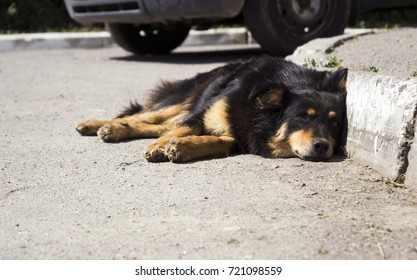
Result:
304,18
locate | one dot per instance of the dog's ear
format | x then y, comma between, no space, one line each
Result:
336,80
268,96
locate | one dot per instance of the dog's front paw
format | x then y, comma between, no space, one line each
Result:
173,151
113,132
176,151
155,153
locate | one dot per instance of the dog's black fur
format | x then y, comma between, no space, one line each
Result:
264,106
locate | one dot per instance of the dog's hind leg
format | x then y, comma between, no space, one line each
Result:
141,125
117,131
122,129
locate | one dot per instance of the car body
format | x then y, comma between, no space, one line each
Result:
151,11
279,26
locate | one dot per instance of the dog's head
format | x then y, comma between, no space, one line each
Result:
309,121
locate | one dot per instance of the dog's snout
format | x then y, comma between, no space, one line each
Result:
321,146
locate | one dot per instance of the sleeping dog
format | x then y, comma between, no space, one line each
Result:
264,106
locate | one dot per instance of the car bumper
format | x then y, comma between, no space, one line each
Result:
150,11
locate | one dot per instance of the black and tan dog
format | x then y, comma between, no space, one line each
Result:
264,106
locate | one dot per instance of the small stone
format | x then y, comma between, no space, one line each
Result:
323,251
233,241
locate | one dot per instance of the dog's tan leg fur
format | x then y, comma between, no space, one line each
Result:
170,113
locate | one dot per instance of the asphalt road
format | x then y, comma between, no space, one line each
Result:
64,196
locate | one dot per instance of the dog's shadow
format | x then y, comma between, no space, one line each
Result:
188,55
335,158
338,157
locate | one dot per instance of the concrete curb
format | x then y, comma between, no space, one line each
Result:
317,51
38,41
381,113
91,40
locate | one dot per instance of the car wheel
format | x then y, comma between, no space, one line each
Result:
280,26
148,39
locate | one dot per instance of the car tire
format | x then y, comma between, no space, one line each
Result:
148,39
280,26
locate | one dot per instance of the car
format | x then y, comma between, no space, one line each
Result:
279,26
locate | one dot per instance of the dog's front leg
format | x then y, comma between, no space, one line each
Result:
156,152
195,147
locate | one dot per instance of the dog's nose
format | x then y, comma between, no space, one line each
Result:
321,146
